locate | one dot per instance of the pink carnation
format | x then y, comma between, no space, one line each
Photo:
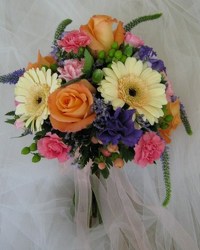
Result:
51,146
149,148
73,40
72,69
133,40
19,124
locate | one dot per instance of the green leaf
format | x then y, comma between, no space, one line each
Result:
94,168
11,113
10,121
89,61
127,153
105,172
61,28
133,23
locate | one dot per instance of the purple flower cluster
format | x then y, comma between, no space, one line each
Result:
120,128
148,55
13,77
102,113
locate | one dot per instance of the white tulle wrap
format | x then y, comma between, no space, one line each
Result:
36,200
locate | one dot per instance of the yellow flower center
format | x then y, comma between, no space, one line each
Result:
133,90
37,99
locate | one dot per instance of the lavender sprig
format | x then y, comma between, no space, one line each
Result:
12,78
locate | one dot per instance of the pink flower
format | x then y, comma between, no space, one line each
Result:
73,40
133,40
72,69
19,124
149,148
169,91
51,146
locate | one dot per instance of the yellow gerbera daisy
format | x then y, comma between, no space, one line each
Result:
32,92
135,84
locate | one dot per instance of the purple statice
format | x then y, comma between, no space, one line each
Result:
12,78
147,54
54,52
120,128
102,113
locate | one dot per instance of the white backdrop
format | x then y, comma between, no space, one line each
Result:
35,200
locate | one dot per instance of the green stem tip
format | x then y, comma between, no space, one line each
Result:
166,175
141,19
60,29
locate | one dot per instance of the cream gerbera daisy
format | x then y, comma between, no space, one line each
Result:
135,84
32,92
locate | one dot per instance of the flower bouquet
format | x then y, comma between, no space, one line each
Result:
101,97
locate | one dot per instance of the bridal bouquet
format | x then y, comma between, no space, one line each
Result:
102,96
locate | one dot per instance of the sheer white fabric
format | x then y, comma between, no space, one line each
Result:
36,200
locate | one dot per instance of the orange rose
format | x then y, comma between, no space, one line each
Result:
41,61
99,29
173,108
70,107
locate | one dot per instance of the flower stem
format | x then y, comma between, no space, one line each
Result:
134,22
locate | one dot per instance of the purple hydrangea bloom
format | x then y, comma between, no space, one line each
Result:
120,128
13,77
148,55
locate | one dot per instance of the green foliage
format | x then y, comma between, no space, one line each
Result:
134,22
11,113
10,121
127,152
185,121
166,174
61,28
89,61
105,172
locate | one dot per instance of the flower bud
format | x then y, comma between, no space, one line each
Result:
101,165
97,75
112,148
105,152
118,163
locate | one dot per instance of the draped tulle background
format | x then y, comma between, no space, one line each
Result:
35,200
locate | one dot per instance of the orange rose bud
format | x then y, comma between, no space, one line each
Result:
173,108
112,148
101,33
105,152
118,163
41,61
70,107
101,165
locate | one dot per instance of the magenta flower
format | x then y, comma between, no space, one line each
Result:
51,146
133,40
149,148
73,40
72,69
